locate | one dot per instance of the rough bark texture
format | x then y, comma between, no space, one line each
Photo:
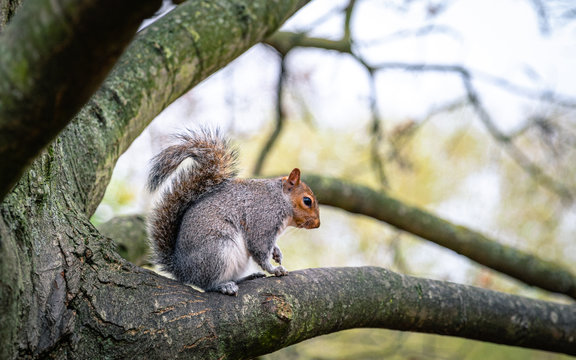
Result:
168,59
54,56
519,265
65,293
7,10
49,251
272,313
51,257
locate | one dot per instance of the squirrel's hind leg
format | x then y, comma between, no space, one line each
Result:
228,288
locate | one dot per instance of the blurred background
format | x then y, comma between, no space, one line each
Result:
464,108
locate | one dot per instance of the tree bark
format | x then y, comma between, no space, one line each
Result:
272,313
519,265
49,251
65,293
7,10
164,62
53,58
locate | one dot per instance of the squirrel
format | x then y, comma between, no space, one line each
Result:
207,223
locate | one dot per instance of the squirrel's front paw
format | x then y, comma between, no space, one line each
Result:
280,271
277,255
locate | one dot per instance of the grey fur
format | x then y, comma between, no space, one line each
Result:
207,224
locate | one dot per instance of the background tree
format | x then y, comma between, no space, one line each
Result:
65,292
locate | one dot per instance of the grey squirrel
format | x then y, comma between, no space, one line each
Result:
207,223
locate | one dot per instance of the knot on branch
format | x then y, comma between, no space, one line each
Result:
278,305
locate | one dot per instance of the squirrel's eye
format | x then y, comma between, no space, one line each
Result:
307,201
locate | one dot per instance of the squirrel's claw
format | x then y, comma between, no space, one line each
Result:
228,288
280,271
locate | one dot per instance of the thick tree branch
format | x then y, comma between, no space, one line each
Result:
480,248
355,198
52,59
164,61
272,313
130,236
47,245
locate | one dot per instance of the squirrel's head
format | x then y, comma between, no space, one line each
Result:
304,203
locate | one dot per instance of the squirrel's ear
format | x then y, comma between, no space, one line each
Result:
294,177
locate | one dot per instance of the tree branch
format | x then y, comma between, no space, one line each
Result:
7,10
165,60
477,247
53,58
130,236
280,118
284,41
358,199
272,313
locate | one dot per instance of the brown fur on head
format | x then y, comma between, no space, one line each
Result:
304,203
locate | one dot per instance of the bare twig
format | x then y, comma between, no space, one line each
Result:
530,167
347,19
412,33
280,116
286,41
376,132
542,14
400,137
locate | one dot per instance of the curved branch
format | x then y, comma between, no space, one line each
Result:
52,59
165,60
272,313
477,247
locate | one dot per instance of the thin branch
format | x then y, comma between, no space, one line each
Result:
284,41
280,117
484,250
531,168
542,14
431,29
347,20
376,132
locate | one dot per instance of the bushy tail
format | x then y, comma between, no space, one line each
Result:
215,163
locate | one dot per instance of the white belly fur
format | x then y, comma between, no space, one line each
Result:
236,259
